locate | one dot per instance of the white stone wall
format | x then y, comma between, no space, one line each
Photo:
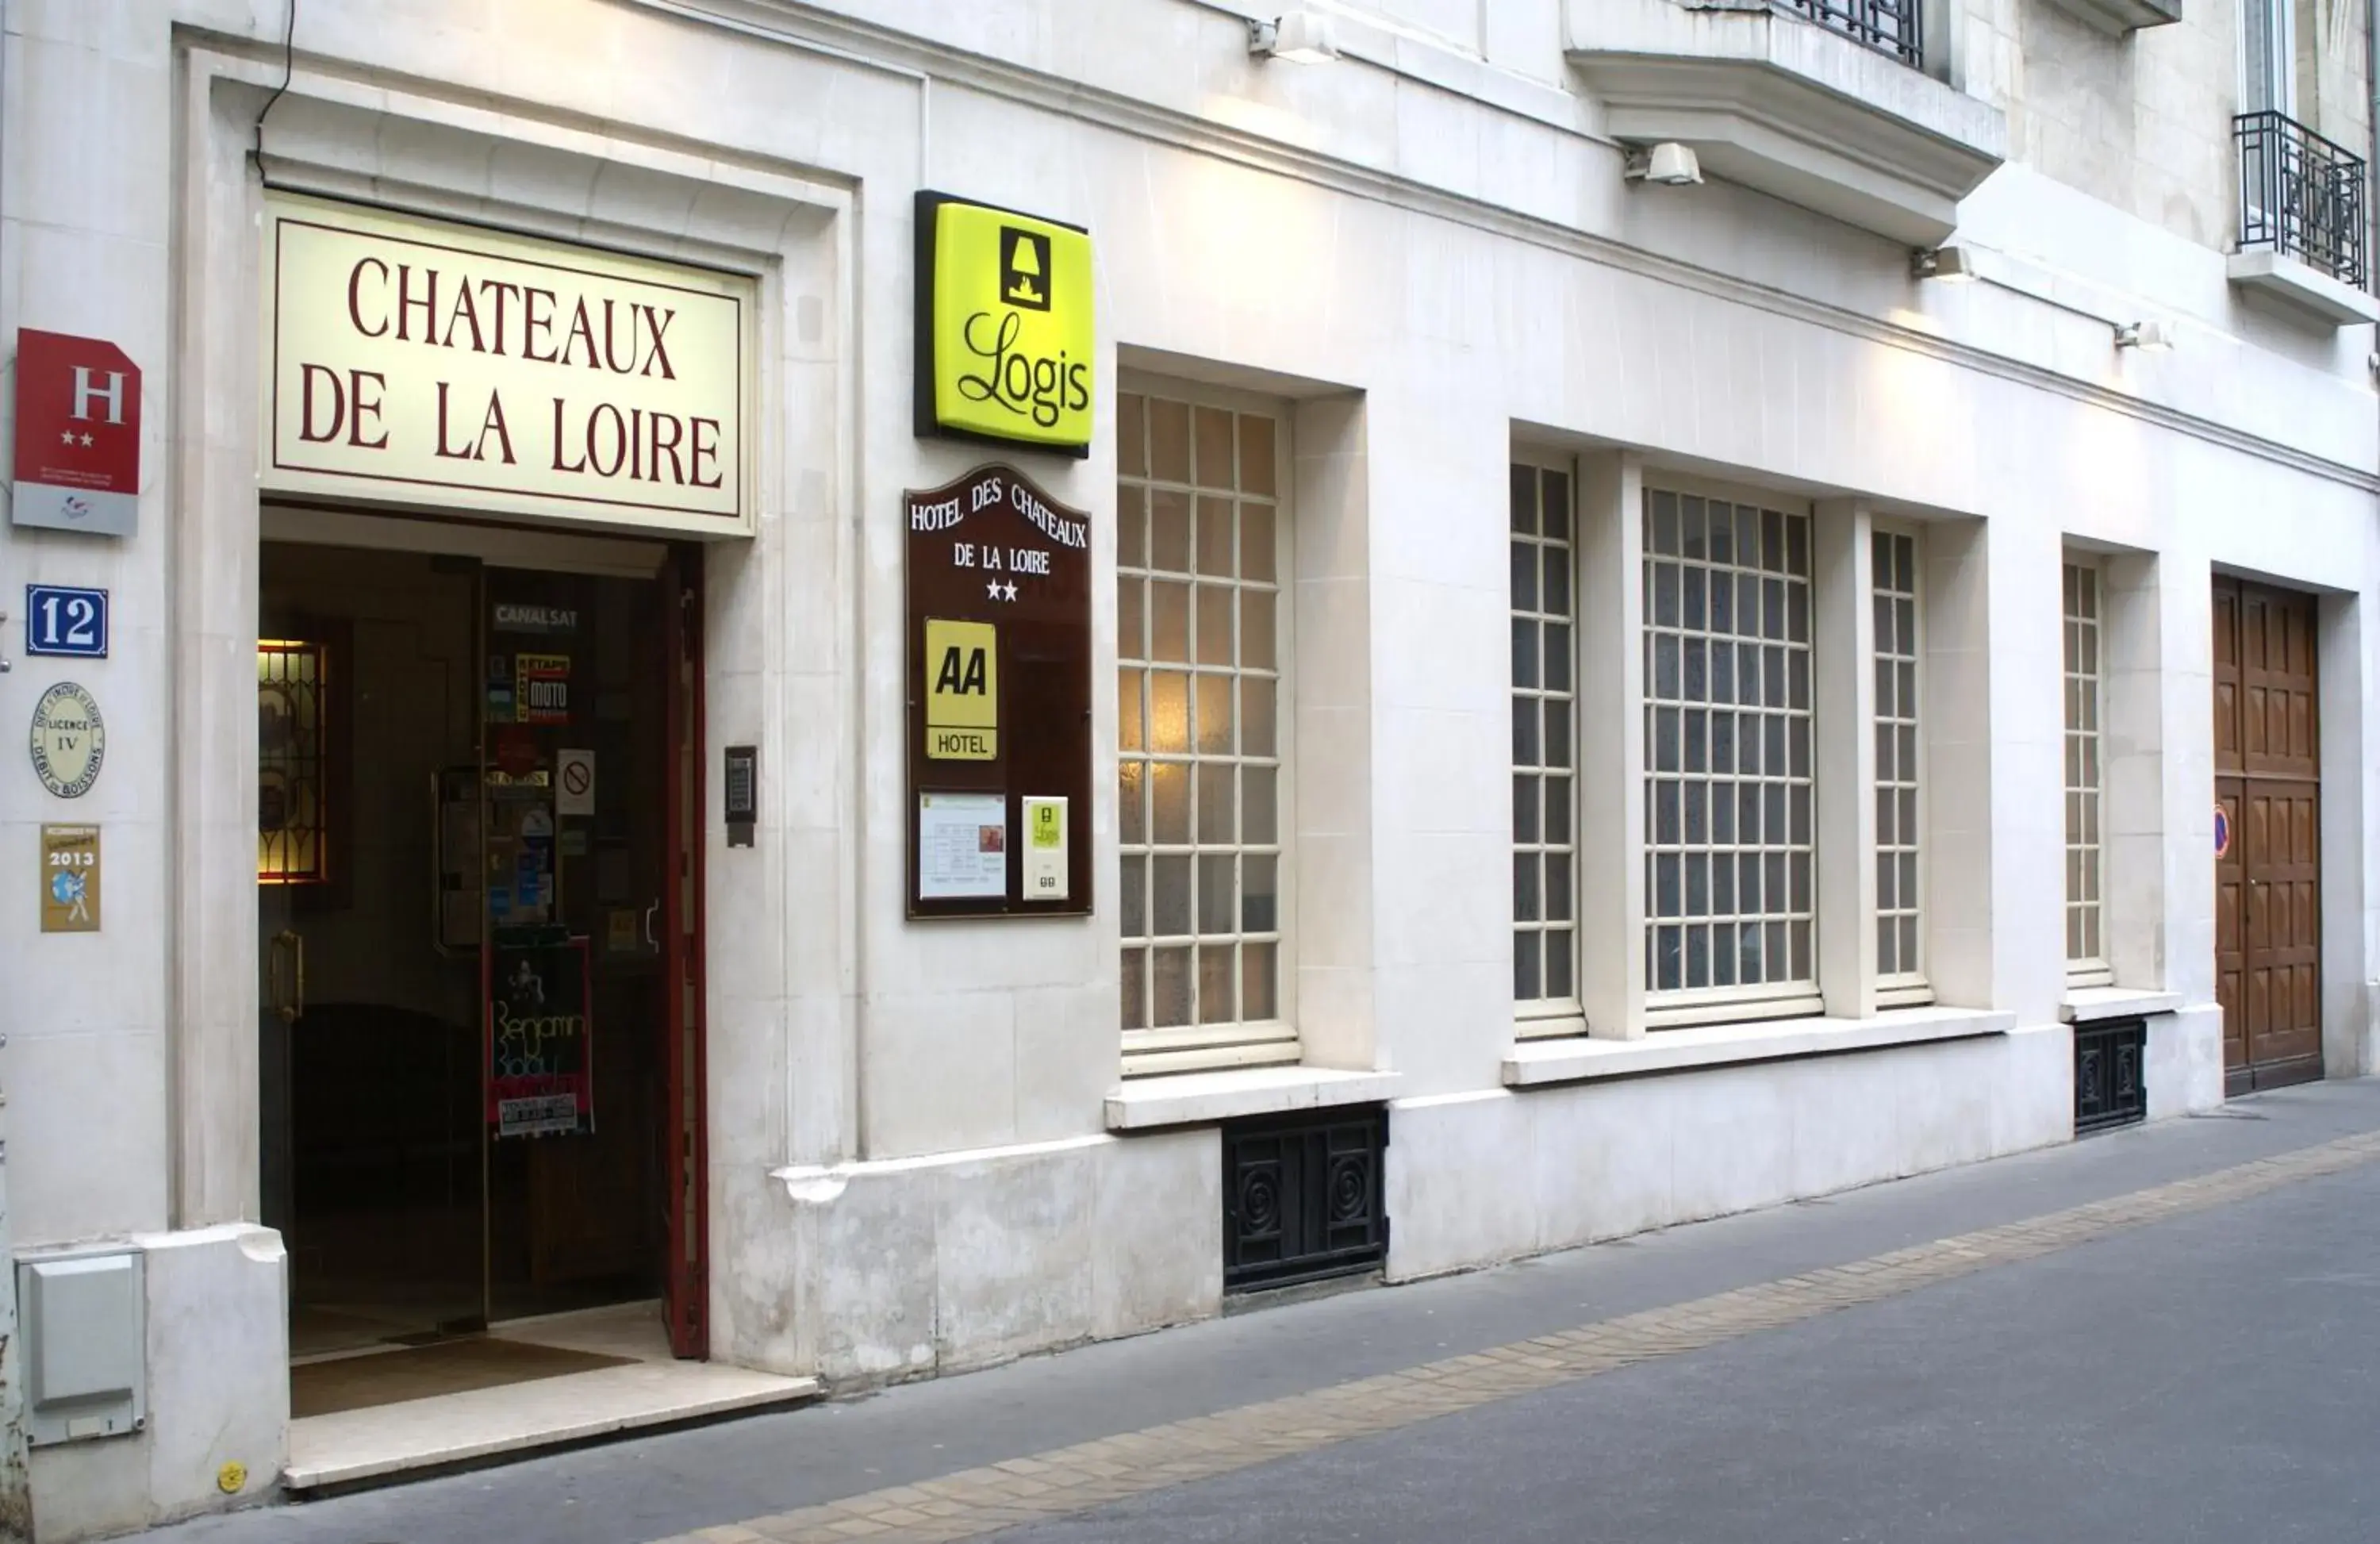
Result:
1427,254
2143,123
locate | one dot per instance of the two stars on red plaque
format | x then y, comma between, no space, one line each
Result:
87,392
1000,591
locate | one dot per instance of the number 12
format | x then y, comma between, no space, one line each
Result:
68,621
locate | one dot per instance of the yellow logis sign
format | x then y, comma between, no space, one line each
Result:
962,691
416,361
1004,325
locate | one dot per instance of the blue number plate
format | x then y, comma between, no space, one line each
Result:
63,621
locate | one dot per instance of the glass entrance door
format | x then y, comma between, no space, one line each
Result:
473,1106
575,839
367,669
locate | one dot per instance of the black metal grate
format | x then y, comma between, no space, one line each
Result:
2111,1084
1302,1197
2300,195
1888,26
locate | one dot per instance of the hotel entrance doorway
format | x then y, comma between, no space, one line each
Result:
479,929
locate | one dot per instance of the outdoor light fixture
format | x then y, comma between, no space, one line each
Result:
1298,37
1668,164
1949,264
2150,337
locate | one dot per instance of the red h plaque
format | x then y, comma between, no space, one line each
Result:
77,434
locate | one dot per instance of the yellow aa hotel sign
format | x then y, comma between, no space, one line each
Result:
1004,326
414,362
962,691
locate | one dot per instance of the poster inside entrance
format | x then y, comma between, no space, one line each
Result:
540,1071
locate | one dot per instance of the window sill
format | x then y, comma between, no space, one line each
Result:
2090,1004
1205,1098
1666,1012
2120,16
2304,290
1583,1060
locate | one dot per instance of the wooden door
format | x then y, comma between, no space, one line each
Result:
2281,978
689,1275
2268,883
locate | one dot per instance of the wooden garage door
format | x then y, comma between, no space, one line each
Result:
2268,880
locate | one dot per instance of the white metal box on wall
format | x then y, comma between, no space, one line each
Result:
83,1322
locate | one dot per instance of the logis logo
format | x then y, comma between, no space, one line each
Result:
1041,389
1025,269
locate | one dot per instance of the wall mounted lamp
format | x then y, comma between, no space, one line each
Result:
1296,37
1667,165
1949,264
2149,337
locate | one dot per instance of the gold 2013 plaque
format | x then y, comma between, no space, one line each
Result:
70,878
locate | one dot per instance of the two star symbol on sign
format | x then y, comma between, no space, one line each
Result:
1000,591
67,437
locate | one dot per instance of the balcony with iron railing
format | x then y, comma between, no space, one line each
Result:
1824,103
2300,195
1894,28
2304,221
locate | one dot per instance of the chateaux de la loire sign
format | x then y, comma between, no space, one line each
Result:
419,362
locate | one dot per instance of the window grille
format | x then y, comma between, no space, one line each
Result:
1728,859
1201,643
1900,906
2086,685
293,824
1544,727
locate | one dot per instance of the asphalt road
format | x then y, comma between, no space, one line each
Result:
2207,1377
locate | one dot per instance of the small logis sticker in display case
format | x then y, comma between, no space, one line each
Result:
1000,698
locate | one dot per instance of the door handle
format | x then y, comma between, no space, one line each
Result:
287,975
652,940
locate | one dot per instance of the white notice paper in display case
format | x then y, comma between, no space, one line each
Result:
574,783
962,847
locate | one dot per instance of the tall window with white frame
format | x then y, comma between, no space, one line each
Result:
1900,909
1730,886
2086,957
1201,645
1545,701
2268,56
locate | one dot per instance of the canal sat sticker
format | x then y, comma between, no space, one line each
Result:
69,740
1005,333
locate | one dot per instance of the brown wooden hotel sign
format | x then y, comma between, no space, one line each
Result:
999,699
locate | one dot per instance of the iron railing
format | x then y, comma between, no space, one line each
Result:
1888,26
2302,196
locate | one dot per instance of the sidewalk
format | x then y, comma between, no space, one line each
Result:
662,1487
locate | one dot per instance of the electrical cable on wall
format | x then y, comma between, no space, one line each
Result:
288,70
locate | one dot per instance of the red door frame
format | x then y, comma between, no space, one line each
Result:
683,976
